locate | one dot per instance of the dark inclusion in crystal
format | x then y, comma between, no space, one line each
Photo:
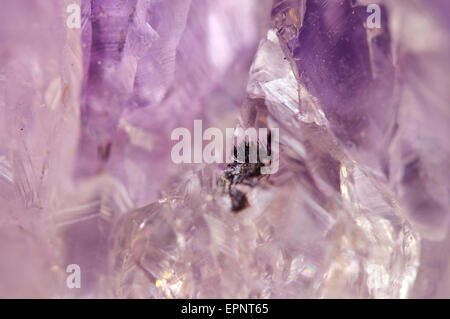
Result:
238,199
244,173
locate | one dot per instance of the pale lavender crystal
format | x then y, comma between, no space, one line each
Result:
358,209
377,90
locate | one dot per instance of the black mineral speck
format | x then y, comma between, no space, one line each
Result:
238,199
245,173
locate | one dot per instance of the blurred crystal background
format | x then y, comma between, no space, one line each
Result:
358,209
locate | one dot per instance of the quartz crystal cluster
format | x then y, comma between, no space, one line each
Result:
359,207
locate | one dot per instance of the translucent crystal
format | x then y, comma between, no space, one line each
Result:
358,209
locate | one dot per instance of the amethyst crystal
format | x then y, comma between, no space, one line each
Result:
358,208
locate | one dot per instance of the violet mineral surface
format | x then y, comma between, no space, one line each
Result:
92,90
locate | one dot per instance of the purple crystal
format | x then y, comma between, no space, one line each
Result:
358,209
